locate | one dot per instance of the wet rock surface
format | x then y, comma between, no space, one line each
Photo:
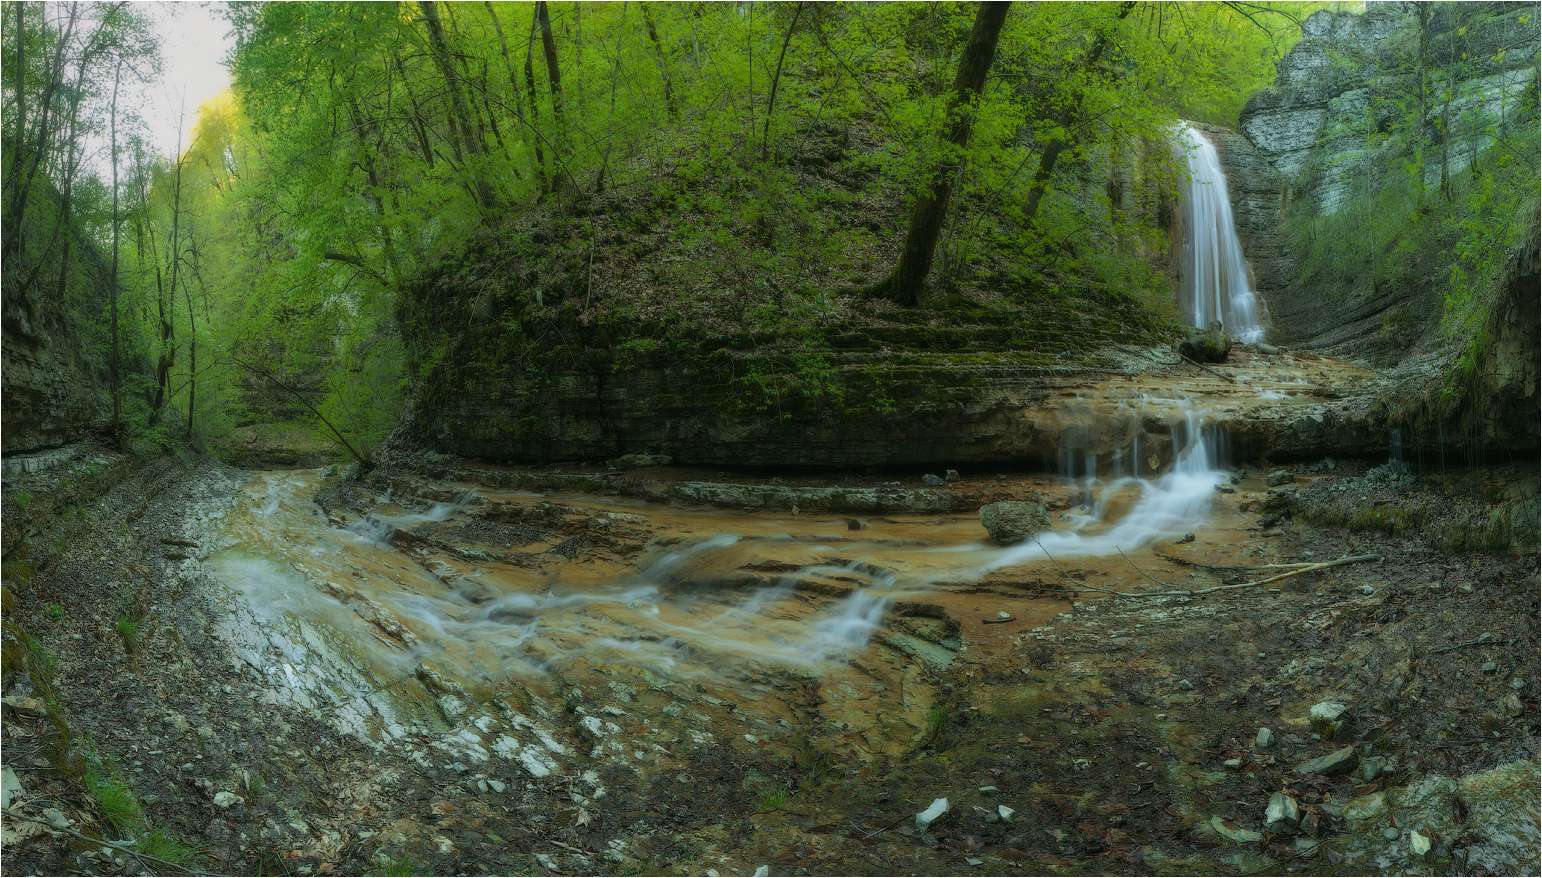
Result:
1070,719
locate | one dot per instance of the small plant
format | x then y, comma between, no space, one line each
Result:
402,864
128,629
45,660
119,804
54,611
23,500
163,847
770,800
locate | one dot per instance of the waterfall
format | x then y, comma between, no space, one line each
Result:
1216,276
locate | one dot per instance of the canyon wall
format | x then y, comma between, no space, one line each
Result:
1342,129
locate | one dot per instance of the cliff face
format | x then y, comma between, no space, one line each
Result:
1341,123
53,387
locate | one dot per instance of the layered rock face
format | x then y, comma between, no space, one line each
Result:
1310,143
54,393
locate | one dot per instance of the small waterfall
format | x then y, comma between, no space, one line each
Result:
1162,506
1216,276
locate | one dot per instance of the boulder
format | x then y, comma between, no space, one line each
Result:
1011,521
1209,346
1338,762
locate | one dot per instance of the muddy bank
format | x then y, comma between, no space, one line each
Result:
596,728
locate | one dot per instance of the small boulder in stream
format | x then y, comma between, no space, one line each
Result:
1209,346
1012,521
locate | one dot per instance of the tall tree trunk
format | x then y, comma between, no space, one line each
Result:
1067,117
535,103
553,72
192,347
658,48
904,285
461,113
114,369
22,184
765,134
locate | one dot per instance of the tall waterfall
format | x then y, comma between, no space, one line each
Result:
1216,276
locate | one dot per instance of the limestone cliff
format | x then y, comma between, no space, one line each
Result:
1338,134
52,393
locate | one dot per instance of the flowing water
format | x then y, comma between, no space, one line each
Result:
395,635
1217,280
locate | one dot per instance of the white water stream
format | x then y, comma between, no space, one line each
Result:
1217,279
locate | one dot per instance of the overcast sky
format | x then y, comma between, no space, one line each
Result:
194,44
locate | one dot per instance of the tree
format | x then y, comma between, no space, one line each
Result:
904,285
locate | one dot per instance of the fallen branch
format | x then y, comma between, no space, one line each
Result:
364,465
1352,559
1205,368
138,855
1190,563
1176,593
1142,572
1480,641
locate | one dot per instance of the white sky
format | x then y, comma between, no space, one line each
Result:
194,45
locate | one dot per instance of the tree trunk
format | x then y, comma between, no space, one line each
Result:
114,370
904,285
553,72
535,104
1064,120
22,184
658,48
460,112
765,134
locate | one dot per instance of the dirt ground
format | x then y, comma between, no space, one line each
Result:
1089,735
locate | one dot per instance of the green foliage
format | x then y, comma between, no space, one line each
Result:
22,499
128,631
769,795
53,611
402,864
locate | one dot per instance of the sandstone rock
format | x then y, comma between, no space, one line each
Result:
227,799
10,787
1279,477
1283,815
1210,346
937,808
1265,738
1246,836
932,481
1012,521
1327,711
1338,762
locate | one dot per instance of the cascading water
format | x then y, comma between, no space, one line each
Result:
1216,276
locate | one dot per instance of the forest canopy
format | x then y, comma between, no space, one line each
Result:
364,144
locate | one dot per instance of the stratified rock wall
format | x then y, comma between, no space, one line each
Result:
52,392
1309,141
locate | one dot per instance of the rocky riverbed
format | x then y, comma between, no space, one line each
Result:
655,732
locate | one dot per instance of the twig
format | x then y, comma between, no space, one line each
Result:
1069,578
1144,573
891,824
103,843
1205,368
1352,559
1189,563
1204,591
1479,641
